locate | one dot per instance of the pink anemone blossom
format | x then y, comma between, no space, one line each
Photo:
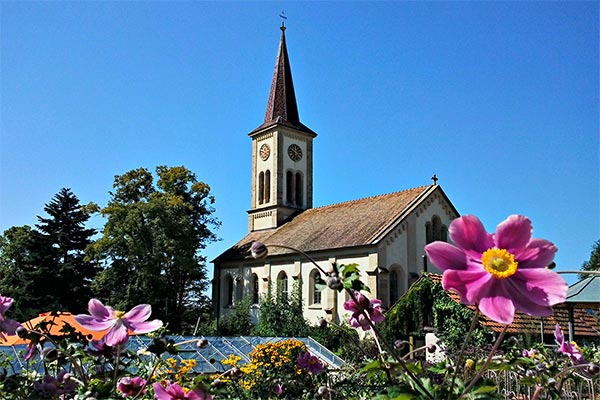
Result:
372,308
568,348
500,272
8,326
310,363
175,392
118,323
130,387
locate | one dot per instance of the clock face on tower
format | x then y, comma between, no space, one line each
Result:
265,152
295,152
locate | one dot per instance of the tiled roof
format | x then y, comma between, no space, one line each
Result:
349,224
585,324
281,107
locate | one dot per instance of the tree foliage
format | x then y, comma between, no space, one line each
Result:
282,315
426,303
593,264
45,268
150,245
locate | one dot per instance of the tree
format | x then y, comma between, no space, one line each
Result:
151,242
66,233
44,269
593,264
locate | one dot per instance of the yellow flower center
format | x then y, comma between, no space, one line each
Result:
499,262
119,314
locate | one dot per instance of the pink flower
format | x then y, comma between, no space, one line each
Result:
175,392
372,307
278,389
6,325
310,363
130,387
119,323
500,272
571,349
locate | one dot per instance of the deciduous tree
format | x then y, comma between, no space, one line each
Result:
150,246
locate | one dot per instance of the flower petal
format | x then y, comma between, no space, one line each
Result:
446,256
498,308
470,235
543,286
91,323
160,393
117,335
98,310
139,313
468,284
513,233
539,253
146,327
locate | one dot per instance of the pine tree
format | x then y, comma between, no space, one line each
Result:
64,229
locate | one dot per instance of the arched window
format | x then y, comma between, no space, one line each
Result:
254,288
315,293
261,188
289,187
434,230
394,295
229,290
267,187
299,189
282,285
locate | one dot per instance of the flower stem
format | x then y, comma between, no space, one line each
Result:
486,363
299,252
462,350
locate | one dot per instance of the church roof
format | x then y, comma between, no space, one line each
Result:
349,224
281,107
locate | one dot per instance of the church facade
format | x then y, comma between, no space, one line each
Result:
385,235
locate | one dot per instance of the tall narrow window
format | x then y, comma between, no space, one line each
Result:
393,277
299,189
428,233
315,293
444,234
261,187
436,226
267,188
254,288
289,187
282,285
229,290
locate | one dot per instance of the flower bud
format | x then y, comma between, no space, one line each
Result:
593,369
216,383
431,348
202,343
322,323
22,332
258,250
333,282
322,391
50,354
235,371
399,344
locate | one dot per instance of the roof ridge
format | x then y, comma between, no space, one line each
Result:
369,197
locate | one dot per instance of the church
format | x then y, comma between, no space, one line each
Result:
384,234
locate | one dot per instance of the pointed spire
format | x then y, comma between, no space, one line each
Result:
282,99
282,107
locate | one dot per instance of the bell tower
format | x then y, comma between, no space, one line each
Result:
282,154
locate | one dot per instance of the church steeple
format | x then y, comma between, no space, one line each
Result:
282,107
282,153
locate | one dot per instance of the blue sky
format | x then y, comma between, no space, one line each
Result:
499,99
